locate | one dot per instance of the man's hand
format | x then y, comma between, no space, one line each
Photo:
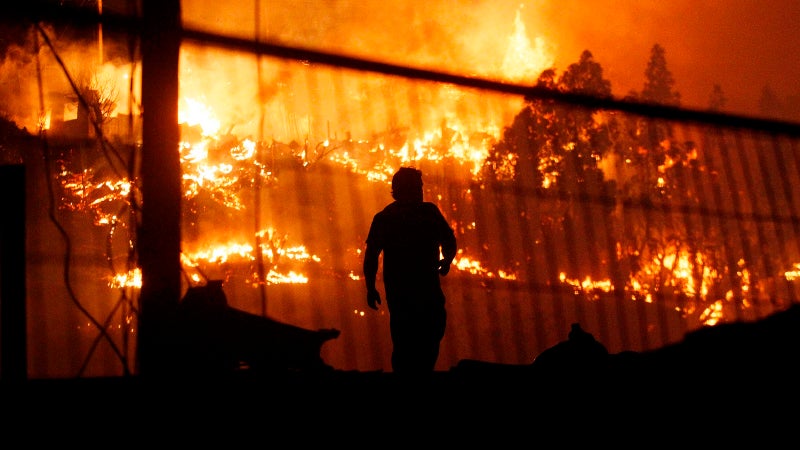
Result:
373,298
444,267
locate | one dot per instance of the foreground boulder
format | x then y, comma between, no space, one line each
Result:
215,338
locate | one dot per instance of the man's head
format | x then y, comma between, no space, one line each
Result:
407,184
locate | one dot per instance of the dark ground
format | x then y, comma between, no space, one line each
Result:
727,383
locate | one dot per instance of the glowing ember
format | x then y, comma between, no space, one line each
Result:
587,285
81,192
474,267
277,278
794,274
130,279
272,249
712,315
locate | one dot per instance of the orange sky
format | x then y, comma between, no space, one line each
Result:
740,44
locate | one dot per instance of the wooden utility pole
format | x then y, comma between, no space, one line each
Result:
158,241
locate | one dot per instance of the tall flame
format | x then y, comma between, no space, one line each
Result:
523,62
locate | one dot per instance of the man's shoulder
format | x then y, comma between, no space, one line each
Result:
397,207
388,209
387,214
404,209
432,209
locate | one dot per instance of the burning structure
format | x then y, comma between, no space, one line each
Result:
569,207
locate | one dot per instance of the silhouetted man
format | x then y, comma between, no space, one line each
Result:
418,245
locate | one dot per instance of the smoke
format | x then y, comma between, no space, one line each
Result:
741,45
35,86
455,36
469,38
19,99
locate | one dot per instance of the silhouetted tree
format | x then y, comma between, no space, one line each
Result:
581,143
792,108
554,150
717,99
659,83
663,182
769,105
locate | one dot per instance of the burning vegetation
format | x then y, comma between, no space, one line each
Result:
583,206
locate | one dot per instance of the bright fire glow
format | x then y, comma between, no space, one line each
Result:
239,252
587,285
474,267
130,279
794,274
712,315
195,112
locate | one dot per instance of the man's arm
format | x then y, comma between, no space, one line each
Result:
449,248
370,268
